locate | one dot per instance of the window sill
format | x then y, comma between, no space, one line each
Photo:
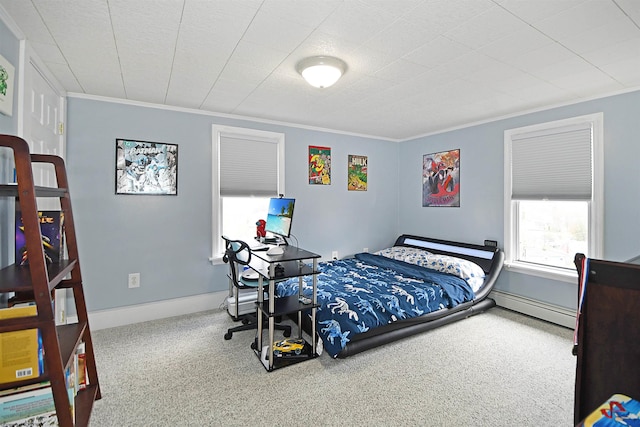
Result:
558,274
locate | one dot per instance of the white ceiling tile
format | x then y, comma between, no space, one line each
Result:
486,28
534,60
437,52
517,43
614,52
65,76
538,10
356,21
444,15
631,8
610,33
588,82
29,20
305,12
579,19
276,33
625,71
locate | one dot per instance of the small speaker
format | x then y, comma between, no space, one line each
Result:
491,243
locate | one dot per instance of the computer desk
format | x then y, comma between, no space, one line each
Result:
294,262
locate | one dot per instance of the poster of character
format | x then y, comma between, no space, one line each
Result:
319,165
441,179
146,167
357,173
7,76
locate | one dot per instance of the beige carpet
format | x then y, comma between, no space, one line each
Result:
498,368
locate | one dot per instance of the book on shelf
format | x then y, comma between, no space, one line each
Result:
33,407
22,351
52,231
618,410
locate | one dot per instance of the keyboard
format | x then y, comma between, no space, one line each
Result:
259,247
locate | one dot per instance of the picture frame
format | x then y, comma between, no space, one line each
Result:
357,172
7,83
319,165
144,167
441,179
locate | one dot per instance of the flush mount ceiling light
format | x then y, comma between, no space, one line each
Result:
321,71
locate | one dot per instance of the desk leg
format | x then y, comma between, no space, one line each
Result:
313,310
272,320
259,315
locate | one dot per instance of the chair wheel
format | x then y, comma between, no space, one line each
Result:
245,321
254,345
228,335
287,333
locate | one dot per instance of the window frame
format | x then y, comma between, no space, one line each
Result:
595,205
218,131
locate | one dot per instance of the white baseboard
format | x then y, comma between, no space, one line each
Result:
551,313
102,319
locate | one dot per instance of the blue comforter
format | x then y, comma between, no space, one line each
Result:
361,293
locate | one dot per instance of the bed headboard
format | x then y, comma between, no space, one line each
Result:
488,257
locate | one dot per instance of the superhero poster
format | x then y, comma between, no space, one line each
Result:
319,165
441,179
146,167
357,173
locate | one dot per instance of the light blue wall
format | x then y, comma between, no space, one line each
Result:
481,214
10,50
168,238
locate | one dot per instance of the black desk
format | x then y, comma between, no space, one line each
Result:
294,262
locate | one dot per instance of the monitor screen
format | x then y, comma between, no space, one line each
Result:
279,216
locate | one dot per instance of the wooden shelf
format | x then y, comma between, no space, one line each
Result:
37,281
17,278
11,190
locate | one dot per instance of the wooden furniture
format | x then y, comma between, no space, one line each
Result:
40,280
607,348
292,263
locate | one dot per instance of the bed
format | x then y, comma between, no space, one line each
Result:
416,285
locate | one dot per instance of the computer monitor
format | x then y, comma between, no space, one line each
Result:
279,216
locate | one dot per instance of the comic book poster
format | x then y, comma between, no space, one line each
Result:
319,165
51,229
146,167
441,179
357,173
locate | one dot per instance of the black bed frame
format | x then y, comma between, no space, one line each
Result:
487,257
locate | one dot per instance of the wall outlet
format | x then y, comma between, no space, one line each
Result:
134,280
334,255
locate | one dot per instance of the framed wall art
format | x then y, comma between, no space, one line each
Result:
7,78
144,167
441,179
319,165
357,173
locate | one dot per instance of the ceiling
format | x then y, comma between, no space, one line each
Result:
415,66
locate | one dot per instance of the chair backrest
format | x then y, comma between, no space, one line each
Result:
236,253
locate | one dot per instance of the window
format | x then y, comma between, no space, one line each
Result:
553,195
248,169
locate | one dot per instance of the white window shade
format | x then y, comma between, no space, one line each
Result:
248,167
553,164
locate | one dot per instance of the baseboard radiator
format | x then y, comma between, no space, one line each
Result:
539,309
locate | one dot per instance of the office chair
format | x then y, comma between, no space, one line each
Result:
237,254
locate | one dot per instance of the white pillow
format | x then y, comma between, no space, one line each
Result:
406,254
467,270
